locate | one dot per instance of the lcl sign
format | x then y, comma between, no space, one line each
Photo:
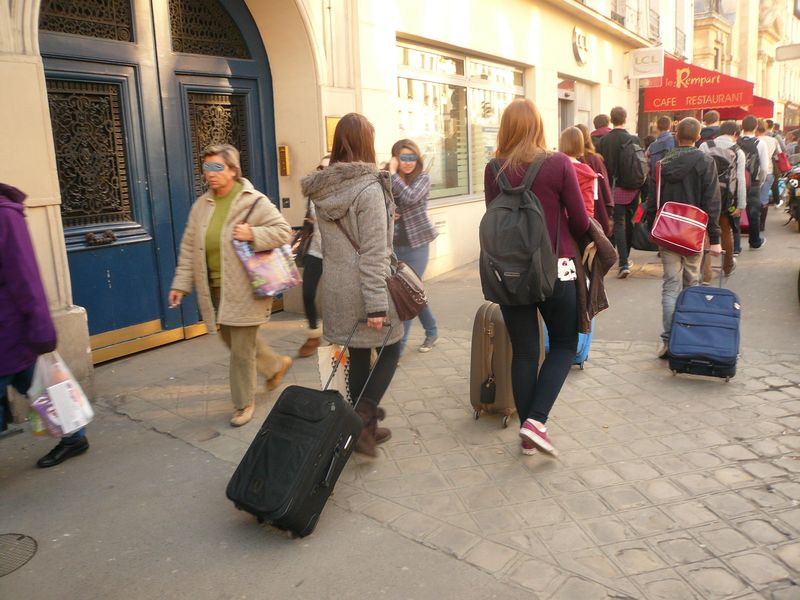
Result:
580,46
646,62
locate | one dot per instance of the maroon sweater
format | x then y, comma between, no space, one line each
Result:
557,188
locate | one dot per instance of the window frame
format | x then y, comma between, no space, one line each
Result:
469,82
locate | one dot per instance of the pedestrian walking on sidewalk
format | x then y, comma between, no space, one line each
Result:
604,207
312,273
622,154
355,216
730,160
756,160
26,328
688,176
413,230
208,264
521,142
773,150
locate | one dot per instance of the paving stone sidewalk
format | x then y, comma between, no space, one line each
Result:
666,487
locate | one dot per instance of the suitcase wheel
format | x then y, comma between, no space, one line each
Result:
505,421
727,379
477,414
674,372
580,366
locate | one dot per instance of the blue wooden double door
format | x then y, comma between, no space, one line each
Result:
136,89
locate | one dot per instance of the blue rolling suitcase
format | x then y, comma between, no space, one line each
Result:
705,332
584,345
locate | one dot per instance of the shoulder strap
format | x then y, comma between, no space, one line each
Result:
356,247
527,181
710,143
249,212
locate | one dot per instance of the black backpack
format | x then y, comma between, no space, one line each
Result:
752,165
727,163
631,165
517,264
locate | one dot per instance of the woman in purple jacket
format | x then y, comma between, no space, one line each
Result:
519,141
27,329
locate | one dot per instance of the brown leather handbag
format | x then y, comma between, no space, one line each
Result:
404,285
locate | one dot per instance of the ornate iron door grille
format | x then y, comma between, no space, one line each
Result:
108,19
89,138
218,119
205,27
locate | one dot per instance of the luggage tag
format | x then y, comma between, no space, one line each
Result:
488,389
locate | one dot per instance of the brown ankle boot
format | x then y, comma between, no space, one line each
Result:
371,434
309,348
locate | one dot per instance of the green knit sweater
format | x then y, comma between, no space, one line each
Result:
222,206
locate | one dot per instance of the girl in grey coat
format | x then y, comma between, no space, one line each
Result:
353,192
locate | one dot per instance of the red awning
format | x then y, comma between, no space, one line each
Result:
761,107
689,87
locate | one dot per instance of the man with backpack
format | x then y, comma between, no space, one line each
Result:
688,176
756,167
658,149
730,160
627,169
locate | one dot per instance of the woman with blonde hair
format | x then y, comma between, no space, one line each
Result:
209,265
604,207
413,230
521,146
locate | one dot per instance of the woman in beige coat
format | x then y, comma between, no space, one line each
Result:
208,263
353,193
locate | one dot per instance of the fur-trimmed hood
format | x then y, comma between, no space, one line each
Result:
335,188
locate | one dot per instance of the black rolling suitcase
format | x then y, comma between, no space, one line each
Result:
292,465
704,339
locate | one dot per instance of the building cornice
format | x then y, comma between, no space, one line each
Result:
590,16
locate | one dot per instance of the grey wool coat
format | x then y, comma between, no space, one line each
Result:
237,305
353,284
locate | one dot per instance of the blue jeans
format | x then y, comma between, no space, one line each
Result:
535,390
417,259
766,189
22,382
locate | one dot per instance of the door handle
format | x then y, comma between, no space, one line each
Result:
101,239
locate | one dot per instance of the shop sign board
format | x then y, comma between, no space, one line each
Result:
646,62
689,87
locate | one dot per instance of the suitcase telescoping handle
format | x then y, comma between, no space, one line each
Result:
721,266
388,326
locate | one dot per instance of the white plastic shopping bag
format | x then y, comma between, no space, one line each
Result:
57,397
327,356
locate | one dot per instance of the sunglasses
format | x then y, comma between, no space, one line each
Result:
408,158
214,167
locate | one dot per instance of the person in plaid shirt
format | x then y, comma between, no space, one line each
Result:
413,230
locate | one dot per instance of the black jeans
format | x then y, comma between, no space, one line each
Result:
623,229
535,393
312,273
754,215
381,378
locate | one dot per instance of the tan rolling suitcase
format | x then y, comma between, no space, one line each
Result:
490,364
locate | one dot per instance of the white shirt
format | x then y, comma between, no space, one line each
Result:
772,149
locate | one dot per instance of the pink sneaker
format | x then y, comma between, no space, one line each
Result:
528,449
537,437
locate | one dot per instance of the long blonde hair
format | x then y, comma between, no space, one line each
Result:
521,134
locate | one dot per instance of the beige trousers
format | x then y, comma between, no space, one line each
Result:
249,353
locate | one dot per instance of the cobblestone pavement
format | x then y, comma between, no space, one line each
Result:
666,487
